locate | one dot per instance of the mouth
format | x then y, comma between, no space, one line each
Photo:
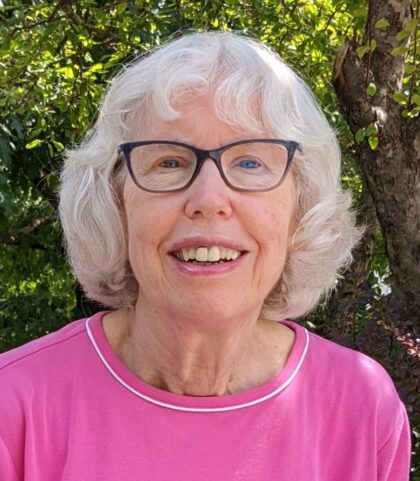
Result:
207,255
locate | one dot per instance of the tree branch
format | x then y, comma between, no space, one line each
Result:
29,231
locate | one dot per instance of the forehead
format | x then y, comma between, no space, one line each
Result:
198,124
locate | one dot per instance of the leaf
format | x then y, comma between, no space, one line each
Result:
121,8
33,144
416,99
371,130
58,145
67,71
373,45
411,25
362,51
399,51
403,34
409,69
50,150
371,89
400,97
373,142
382,23
359,12
52,180
360,135
98,67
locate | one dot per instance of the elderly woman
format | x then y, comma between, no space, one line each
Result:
204,210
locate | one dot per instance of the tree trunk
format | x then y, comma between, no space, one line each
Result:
391,169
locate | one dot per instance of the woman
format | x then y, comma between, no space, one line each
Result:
203,209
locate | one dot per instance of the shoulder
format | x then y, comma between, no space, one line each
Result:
35,381
355,384
40,375
351,396
354,387
29,369
347,364
43,346
337,363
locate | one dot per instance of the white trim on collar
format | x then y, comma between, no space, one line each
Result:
192,409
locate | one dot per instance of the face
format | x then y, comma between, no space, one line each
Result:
163,228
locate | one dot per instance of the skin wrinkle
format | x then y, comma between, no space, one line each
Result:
203,336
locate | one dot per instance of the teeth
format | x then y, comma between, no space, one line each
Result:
213,254
208,254
201,254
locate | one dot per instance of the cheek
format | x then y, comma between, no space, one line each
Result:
146,216
282,213
150,219
275,223
273,220
142,226
278,221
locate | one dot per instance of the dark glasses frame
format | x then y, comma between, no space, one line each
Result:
214,154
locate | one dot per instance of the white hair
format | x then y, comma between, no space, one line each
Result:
241,74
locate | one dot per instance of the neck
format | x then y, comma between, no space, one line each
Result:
196,359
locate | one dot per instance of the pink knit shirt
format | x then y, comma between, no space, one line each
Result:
71,411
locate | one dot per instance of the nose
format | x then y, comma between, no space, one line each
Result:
208,196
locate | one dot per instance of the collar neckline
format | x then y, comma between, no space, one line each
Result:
139,388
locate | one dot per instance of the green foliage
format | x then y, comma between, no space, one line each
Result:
397,51
364,49
369,133
382,23
371,89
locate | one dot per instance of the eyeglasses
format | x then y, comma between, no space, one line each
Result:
248,165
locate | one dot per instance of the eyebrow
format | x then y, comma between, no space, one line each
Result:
184,140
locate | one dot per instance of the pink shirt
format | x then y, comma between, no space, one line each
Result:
71,411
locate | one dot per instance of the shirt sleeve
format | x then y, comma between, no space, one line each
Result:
394,455
7,467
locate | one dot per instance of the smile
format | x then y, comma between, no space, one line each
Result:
212,254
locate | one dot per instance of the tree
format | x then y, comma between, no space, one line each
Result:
377,85
377,88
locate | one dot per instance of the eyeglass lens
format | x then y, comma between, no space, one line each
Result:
166,167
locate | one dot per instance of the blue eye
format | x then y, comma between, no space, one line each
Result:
249,164
170,164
